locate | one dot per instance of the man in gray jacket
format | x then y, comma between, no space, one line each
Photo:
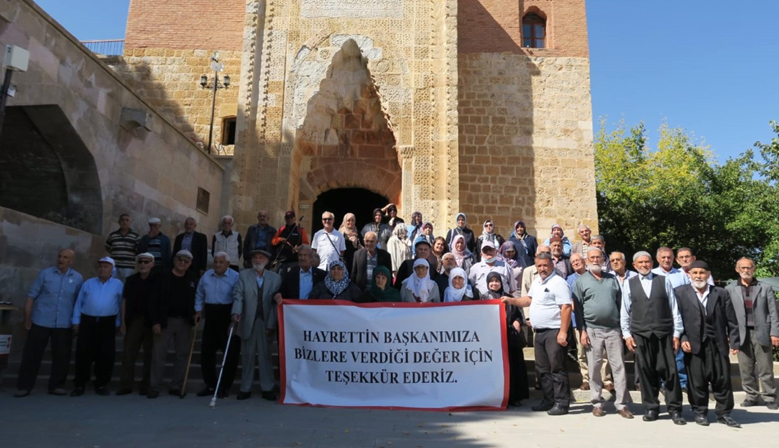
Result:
255,315
758,327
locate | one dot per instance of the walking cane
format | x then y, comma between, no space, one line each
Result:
212,405
189,362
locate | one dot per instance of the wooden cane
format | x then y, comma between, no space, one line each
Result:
189,362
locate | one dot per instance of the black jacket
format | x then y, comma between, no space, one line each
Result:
199,251
359,267
719,307
132,301
158,310
290,281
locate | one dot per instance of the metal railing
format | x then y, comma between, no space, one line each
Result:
112,47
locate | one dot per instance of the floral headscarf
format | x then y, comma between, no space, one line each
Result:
337,287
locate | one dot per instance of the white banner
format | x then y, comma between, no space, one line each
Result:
394,355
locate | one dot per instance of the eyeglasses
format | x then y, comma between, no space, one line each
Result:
145,261
183,260
488,225
327,219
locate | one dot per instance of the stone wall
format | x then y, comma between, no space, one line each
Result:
144,165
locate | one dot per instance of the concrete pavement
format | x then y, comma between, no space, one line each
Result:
41,420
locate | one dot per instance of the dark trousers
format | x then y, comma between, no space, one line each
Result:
655,359
34,348
709,366
138,336
215,332
550,367
518,386
96,344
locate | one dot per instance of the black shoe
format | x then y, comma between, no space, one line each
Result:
21,393
153,394
543,406
728,420
143,391
677,418
125,391
206,392
516,403
701,420
650,416
772,406
269,395
243,395
748,403
176,392
77,392
557,410
222,394
58,391
103,391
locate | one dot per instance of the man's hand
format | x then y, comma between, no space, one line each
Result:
686,347
631,344
734,351
516,325
584,339
197,317
75,330
28,326
282,240
676,345
156,329
277,298
562,338
236,318
775,341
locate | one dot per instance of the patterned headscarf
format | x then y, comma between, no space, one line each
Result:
514,262
337,287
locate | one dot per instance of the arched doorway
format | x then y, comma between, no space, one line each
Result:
341,201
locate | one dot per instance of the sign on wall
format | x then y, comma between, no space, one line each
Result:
394,355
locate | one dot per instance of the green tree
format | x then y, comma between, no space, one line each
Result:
677,195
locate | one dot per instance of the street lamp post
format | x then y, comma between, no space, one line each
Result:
214,85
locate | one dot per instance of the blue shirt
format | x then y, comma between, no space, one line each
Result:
214,289
646,285
186,241
262,237
54,294
306,283
260,280
99,299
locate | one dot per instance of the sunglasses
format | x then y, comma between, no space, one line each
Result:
183,260
145,261
327,219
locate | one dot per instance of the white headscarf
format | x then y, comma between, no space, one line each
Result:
453,294
420,287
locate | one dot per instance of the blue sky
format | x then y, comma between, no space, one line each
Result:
707,66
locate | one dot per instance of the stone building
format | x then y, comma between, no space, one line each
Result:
479,106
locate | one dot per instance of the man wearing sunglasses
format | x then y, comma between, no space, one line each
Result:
328,242
136,326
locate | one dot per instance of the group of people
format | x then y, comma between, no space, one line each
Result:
680,326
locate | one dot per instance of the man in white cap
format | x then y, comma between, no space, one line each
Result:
157,244
490,263
95,319
172,316
254,312
136,325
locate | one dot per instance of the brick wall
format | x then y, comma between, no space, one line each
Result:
185,24
494,26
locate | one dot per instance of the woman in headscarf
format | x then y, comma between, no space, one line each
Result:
439,249
518,385
461,229
380,289
392,216
336,285
557,232
526,244
508,254
488,234
462,255
351,235
427,233
414,229
418,287
399,248
459,289
381,230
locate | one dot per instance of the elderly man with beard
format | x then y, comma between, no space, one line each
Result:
367,259
758,324
651,326
710,328
442,280
597,298
254,312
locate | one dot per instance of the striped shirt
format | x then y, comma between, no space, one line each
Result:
122,248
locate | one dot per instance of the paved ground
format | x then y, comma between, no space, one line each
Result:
42,420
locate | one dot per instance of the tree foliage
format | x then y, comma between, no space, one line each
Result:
677,195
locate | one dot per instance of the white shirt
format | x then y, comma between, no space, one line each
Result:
479,272
548,296
659,271
321,243
703,298
646,285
